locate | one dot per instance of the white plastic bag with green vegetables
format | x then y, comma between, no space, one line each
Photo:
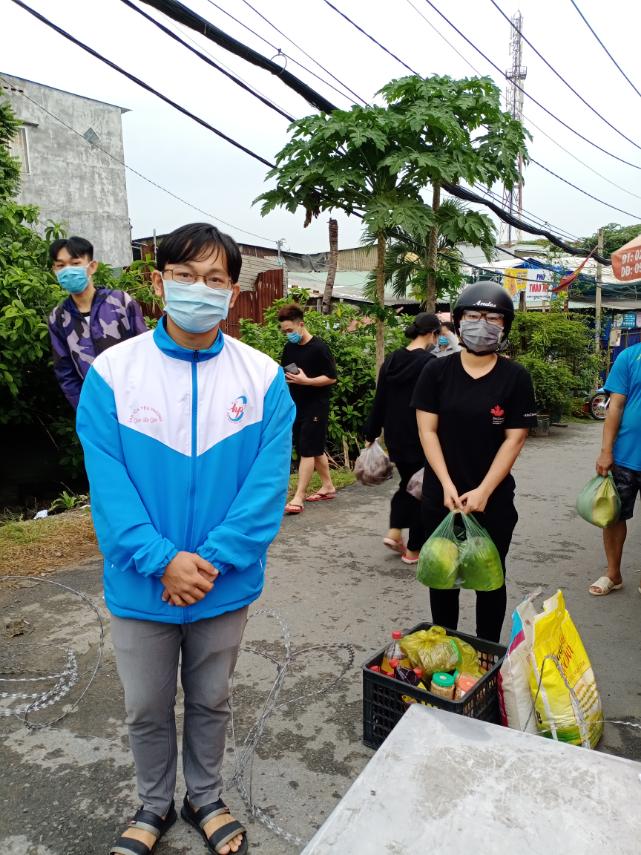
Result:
598,502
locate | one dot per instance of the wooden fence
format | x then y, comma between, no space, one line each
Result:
252,304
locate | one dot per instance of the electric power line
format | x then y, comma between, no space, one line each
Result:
141,83
452,189
636,217
531,97
401,61
562,79
534,217
282,53
585,21
371,38
304,52
527,118
193,41
184,15
209,61
135,171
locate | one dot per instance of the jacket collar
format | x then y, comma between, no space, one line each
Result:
168,346
99,297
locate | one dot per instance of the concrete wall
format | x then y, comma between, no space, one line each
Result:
70,179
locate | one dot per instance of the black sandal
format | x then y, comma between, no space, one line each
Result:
199,819
144,820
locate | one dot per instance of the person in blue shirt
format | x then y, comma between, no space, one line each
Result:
621,455
187,441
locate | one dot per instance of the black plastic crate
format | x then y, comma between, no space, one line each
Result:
383,705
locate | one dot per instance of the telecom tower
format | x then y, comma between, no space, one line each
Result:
513,199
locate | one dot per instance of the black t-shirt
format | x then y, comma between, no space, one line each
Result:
473,416
315,358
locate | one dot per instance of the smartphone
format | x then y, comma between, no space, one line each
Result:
292,368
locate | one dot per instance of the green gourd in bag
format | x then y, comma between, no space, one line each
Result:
598,502
460,554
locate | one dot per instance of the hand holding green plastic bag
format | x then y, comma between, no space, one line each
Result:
598,502
460,554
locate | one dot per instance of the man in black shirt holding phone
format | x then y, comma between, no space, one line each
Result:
310,370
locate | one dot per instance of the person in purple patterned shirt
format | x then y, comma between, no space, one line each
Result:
89,320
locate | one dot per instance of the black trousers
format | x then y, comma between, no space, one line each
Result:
405,510
499,519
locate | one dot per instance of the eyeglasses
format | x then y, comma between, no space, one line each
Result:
490,317
186,277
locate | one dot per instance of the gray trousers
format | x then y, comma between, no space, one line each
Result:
147,656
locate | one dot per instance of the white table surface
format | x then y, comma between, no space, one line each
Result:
444,783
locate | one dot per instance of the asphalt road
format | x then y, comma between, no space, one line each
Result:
65,790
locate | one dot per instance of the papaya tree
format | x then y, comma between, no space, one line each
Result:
376,162
341,161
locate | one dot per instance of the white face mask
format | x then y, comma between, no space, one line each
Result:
196,308
481,337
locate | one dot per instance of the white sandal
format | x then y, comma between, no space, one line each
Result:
605,586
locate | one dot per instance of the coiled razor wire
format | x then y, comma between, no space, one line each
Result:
242,777
65,680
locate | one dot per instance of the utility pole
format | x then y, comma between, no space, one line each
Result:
597,299
279,243
513,198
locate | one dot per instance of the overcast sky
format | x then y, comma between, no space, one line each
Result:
174,151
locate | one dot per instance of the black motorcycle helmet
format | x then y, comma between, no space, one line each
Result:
485,295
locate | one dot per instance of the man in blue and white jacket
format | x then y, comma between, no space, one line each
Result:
187,441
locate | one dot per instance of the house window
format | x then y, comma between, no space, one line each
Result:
19,147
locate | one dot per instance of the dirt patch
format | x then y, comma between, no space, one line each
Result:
37,547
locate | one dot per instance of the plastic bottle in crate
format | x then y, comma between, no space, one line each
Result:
413,676
393,651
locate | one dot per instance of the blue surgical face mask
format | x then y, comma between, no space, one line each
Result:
196,308
294,337
443,342
73,279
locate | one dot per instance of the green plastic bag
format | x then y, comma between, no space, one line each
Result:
439,558
598,502
460,554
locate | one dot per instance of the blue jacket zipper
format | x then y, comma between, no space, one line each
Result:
191,503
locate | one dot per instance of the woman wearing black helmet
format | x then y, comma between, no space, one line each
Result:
393,414
474,409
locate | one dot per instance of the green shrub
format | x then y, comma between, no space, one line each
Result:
557,348
351,339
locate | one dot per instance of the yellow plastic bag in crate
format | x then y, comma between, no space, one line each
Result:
567,701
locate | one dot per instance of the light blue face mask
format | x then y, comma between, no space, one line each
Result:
443,342
73,279
294,337
196,308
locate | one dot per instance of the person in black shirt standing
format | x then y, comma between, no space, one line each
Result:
310,371
474,409
393,414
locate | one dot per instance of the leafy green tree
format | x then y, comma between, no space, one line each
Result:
375,161
340,161
405,258
614,236
451,131
9,166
